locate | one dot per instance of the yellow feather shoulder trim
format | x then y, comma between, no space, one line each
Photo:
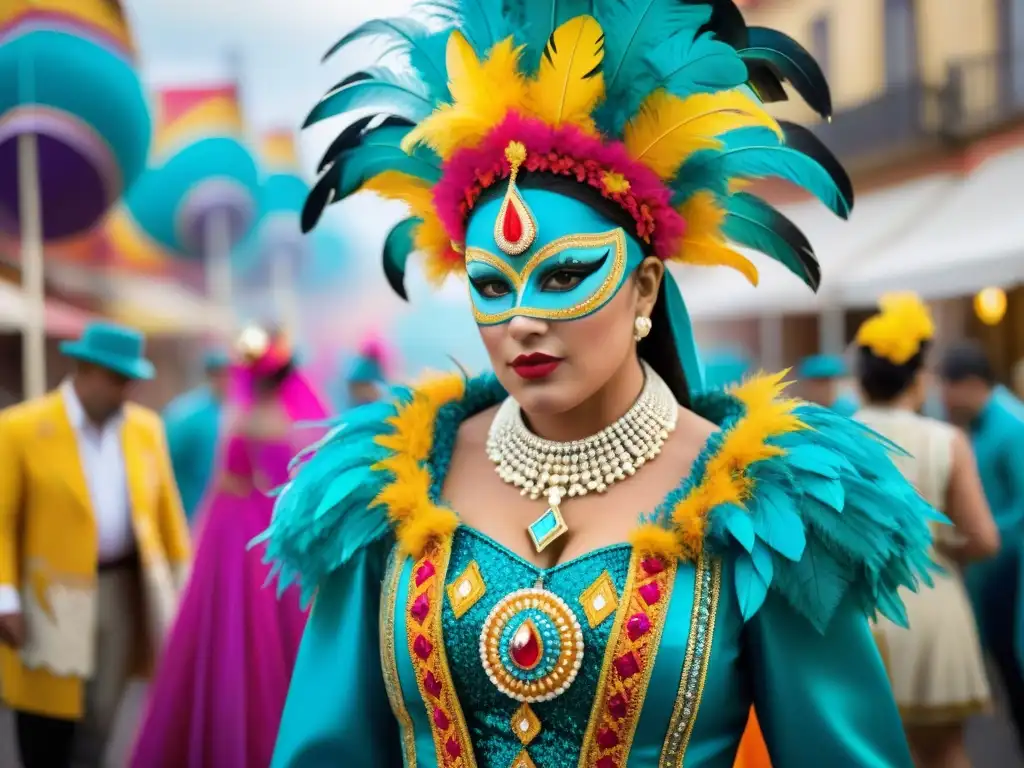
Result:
416,519
725,479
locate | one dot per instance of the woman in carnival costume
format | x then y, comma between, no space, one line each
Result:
938,674
648,561
222,681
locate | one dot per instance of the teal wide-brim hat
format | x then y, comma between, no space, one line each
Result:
822,367
113,347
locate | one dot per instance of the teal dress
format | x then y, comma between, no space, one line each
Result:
994,585
192,422
430,644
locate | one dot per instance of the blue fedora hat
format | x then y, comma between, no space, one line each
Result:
113,347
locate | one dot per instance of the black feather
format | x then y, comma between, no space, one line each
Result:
346,140
398,246
726,22
749,220
773,58
803,140
319,197
350,137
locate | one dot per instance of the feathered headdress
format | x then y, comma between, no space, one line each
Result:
656,104
898,331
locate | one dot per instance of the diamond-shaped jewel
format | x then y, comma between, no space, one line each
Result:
546,528
466,590
525,724
523,761
599,600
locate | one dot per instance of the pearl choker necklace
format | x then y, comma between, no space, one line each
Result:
591,465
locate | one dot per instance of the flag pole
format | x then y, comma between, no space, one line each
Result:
30,220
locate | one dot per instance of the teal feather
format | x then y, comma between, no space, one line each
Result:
755,153
398,246
835,518
632,29
684,65
739,525
751,587
373,152
425,49
483,22
753,223
785,60
375,88
325,513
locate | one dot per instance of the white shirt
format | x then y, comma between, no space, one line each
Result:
102,457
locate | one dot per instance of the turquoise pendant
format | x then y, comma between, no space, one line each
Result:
546,528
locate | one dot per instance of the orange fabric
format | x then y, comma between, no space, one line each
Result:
752,752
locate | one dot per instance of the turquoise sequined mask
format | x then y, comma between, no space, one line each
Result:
575,261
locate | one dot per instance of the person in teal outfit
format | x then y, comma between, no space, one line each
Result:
192,421
994,418
725,368
584,557
363,378
821,377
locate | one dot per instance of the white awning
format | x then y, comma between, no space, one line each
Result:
62,320
877,219
973,239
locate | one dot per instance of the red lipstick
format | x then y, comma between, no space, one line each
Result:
536,365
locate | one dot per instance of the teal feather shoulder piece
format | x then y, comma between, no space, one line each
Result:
327,512
802,501
376,473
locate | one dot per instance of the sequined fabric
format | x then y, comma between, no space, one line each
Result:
488,712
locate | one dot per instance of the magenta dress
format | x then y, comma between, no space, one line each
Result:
221,683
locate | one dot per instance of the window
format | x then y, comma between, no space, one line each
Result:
821,37
1012,25
900,42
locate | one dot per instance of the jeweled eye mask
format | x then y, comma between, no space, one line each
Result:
574,262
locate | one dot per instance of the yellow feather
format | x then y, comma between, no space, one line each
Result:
395,185
483,92
667,129
569,84
703,244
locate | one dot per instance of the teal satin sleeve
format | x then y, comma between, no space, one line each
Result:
337,711
822,698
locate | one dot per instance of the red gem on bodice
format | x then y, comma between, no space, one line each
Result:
607,738
424,572
420,608
441,719
512,226
525,646
432,685
422,647
637,625
650,593
606,762
453,748
617,706
627,664
652,565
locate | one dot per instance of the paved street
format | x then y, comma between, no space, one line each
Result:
990,739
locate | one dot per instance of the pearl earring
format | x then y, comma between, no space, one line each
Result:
641,327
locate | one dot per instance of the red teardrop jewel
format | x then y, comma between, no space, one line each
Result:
526,647
512,226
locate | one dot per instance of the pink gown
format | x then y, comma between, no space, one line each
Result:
221,683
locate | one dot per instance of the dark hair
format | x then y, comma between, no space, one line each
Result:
658,350
272,381
967,361
882,380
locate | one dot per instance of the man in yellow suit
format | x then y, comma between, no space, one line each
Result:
93,549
